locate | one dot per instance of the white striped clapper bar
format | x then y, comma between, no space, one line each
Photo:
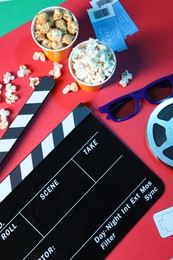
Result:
50,142
25,115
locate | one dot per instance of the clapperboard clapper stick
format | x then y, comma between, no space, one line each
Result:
48,144
25,115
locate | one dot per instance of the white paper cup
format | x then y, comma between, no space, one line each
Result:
83,85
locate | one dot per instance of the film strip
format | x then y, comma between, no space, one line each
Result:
25,115
42,150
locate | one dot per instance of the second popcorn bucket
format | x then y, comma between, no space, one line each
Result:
91,64
55,29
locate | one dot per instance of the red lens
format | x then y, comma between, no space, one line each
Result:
123,108
159,91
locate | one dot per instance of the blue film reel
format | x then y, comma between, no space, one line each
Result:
160,132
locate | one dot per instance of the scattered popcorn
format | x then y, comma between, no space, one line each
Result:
56,72
3,125
9,94
23,70
57,66
39,55
10,88
71,87
74,87
66,89
34,81
125,77
8,77
3,115
93,63
11,98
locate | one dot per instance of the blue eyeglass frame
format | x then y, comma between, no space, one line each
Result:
136,96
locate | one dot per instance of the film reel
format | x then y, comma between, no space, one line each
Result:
160,132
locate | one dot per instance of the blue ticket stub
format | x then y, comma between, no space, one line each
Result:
126,24
111,23
100,3
106,27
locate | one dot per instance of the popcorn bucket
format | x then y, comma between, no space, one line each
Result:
83,84
61,53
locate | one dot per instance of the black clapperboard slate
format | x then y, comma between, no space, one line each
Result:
80,201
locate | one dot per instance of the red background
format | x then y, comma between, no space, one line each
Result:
149,56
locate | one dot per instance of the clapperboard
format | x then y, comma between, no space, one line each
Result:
73,197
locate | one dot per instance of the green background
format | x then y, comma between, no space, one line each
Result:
14,13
